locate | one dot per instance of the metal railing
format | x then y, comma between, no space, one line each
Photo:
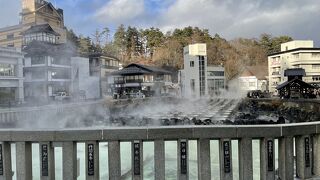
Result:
305,135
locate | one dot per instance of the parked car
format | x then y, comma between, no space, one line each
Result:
255,94
137,95
60,96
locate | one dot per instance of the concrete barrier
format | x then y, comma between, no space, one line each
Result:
305,135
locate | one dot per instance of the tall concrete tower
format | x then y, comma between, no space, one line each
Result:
195,71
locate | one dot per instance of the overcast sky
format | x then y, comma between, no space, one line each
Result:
229,18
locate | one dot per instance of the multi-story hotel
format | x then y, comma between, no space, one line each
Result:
294,54
47,64
34,12
11,76
102,66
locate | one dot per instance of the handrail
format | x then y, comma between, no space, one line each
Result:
306,144
160,132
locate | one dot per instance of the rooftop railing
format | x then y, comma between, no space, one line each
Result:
303,137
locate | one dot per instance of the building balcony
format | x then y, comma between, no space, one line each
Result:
277,73
34,80
35,66
10,78
59,66
110,67
304,138
59,80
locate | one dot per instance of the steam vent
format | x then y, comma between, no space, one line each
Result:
121,90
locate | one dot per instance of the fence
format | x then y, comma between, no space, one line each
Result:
304,137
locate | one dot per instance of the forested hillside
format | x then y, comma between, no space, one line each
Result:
152,46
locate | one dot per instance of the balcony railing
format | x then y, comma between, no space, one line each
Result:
276,73
304,137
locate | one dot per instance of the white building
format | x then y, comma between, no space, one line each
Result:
194,75
294,54
216,79
197,79
254,78
102,66
84,86
11,75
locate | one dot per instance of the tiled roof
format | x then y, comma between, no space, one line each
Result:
302,83
41,28
295,72
132,69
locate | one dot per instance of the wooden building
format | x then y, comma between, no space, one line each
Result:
295,87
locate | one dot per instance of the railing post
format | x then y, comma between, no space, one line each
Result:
225,153
204,160
267,159
286,158
316,154
303,157
137,160
159,159
183,159
5,161
114,160
24,160
92,160
245,159
69,159
47,170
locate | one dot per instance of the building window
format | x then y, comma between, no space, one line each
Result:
191,63
193,85
60,74
295,56
252,84
315,66
7,70
44,37
10,36
315,55
215,73
202,80
38,60
316,78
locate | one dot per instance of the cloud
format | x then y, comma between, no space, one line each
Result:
245,18
9,12
120,11
229,18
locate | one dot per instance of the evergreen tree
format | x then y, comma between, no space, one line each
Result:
85,46
120,41
154,38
